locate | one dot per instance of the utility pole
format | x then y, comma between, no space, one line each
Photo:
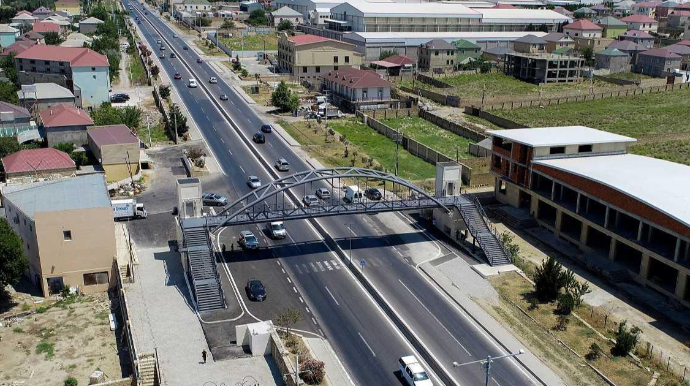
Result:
174,113
148,127
486,363
351,234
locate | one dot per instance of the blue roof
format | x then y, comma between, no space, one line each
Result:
84,192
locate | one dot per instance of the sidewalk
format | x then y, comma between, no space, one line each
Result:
335,372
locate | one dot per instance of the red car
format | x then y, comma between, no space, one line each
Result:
178,76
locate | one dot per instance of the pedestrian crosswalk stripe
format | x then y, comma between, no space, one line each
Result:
328,265
320,266
335,264
299,271
313,267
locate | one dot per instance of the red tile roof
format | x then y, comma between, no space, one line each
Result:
583,25
633,33
111,135
24,13
680,13
76,56
684,6
399,60
638,19
37,159
308,39
679,49
355,78
660,53
64,115
503,6
685,42
648,4
45,26
18,47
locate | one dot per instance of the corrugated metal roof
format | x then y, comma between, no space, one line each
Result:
559,136
520,16
388,8
84,192
417,38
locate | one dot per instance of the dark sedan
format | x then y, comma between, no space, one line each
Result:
266,128
373,194
259,137
255,290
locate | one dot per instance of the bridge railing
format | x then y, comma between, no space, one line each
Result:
489,226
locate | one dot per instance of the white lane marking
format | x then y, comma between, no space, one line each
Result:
298,270
282,270
321,331
231,102
332,297
242,169
270,144
294,289
222,140
366,343
335,264
301,300
213,211
249,120
278,262
289,281
320,266
435,318
228,149
313,320
328,265
307,308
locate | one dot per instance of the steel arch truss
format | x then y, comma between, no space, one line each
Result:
244,209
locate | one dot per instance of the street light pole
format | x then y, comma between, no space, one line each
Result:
350,228
488,361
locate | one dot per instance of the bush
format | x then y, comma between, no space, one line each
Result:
195,153
245,73
284,99
626,340
313,371
563,322
164,92
71,381
566,304
549,279
594,352
45,347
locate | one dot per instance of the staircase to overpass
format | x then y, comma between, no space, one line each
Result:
203,269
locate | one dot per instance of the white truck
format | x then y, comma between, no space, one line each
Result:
412,372
128,209
352,194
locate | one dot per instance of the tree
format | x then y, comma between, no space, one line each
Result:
8,145
387,53
8,93
155,71
53,38
588,54
204,22
566,304
164,92
288,318
130,116
530,28
13,263
549,279
99,13
176,117
257,18
79,157
511,247
227,25
625,340
544,28
285,25
283,98
7,65
312,371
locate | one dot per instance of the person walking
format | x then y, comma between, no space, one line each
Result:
203,355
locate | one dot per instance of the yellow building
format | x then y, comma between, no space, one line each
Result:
67,230
116,148
311,56
72,7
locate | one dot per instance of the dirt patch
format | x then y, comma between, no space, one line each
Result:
63,339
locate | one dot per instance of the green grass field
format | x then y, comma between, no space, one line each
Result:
431,135
251,42
138,73
639,116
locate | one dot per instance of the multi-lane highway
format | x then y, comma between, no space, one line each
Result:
364,338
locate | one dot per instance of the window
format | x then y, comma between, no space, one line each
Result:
347,59
435,53
584,149
93,68
335,68
32,61
335,59
67,235
304,69
96,278
46,62
501,186
497,161
318,69
557,150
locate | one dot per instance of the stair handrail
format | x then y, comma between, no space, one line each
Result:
216,275
485,219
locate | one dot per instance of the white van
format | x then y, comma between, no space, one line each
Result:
352,194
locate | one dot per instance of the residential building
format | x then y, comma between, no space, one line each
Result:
117,149
24,18
640,37
641,23
677,18
40,96
286,13
543,68
73,7
622,9
350,86
628,47
18,47
41,13
65,124
583,28
437,55
518,19
665,8
580,184
395,65
34,37
613,60
193,6
602,10
311,56
612,27
584,13
64,24
89,25
43,27
683,51
530,44
249,6
595,44
658,62
32,164
646,8
76,39
14,120
467,51
564,12
498,54
8,35
68,241
558,40
83,71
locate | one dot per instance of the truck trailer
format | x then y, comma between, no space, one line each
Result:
128,209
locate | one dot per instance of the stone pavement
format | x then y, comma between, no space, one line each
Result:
335,372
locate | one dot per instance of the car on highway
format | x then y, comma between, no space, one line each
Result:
161,56
177,76
199,60
139,22
282,165
255,290
172,55
267,128
259,137
175,35
185,48
412,372
248,240
223,97
277,230
254,182
310,200
323,193
213,80
212,199
162,48
159,41
192,83
373,194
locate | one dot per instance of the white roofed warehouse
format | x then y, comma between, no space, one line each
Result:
629,215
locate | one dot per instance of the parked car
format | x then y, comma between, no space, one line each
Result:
323,193
177,76
172,55
248,240
198,60
212,199
255,290
213,80
117,99
310,200
254,182
223,97
192,83
266,128
282,165
259,137
373,194
277,230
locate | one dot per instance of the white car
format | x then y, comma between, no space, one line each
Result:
213,80
192,83
310,200
254,182
412,372
282,165
277,230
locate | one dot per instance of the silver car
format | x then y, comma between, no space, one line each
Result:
310,200
213,80
282,165
248,240
277,230
323,193
212,199
254,182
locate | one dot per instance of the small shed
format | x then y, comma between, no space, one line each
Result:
116,148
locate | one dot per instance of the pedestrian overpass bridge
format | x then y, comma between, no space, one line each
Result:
269,203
